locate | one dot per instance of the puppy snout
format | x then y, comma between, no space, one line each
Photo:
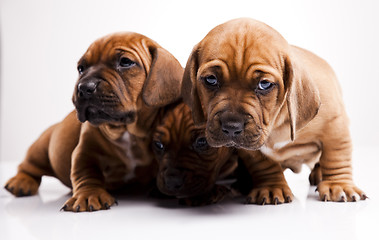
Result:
87,88
174,179
231,124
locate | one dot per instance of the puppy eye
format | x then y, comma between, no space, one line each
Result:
158,146
201,144
80,69
210,81
265,85
126,62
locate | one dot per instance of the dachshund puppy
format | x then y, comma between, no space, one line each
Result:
124,80
278,104
188,167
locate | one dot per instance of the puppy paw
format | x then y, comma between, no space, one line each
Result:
217,194
277,194
89,200
22,185
340,192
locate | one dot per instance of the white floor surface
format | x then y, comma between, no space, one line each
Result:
140,217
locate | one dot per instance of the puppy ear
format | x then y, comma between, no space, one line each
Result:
162,85
189,89
303,98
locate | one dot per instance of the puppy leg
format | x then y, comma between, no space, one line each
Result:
269,184
35,165
335,162
92,154
315,176
89,193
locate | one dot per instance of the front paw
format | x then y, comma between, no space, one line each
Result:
22,185
217,194
340,191
89,200
276,194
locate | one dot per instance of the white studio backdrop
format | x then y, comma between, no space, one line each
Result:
42,40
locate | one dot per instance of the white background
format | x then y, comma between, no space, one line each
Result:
41,42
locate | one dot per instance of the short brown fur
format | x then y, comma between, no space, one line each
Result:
188,167
299,119
110,146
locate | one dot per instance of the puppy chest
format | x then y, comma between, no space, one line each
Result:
130,154
292,151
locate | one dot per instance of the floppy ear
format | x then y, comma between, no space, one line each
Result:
189,89
162,85
303,98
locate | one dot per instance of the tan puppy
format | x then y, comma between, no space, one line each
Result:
188,167
277,103
124,79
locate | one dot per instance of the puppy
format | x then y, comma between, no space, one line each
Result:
277,104
124,80
188,167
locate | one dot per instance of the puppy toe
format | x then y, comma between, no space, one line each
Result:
68,205
106,200
288,195
337,194
277,196
94,203
353,197
264,197
355,194
252,197
80,205
324,192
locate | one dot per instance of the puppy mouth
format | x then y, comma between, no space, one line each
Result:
96,115
248,142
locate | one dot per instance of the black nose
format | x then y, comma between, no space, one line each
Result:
86,89
174,179
231,124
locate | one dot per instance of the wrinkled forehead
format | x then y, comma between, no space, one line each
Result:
176,123
243,42
113,44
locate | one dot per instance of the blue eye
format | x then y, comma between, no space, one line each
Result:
201,144
265,85
80,69
211,80
158,145
126,62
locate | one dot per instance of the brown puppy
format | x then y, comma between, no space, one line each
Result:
188,166
124,79
277,103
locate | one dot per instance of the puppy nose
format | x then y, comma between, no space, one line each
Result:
86,89
174,179
232,129
231,125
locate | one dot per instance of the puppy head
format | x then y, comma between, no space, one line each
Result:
121,72
240,78
188,166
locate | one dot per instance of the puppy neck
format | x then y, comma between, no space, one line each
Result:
140,128
113,132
